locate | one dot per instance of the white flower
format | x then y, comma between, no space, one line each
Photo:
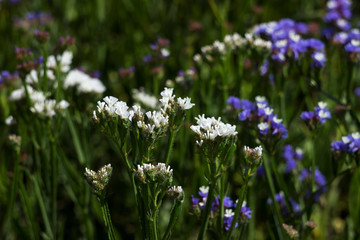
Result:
185,103
229,213
64,61
263,126
356,135
144,98
260,99
63,104
322,105
204,189
10,120
167,96
83,82
165,52
121,109
32,77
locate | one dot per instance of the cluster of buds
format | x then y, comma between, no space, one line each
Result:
126,72
26,60
213,136
33,20
186,78
253,158
233,43
176,192
100,179
15,141
290,231
64,43
149,173
159,52
41,36
7,77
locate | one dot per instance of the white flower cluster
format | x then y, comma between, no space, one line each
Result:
83,82
148,171
149,122
41,105
32,77
64,61
210,128
231,43
176,192
253,154
168,100
146,99
98,180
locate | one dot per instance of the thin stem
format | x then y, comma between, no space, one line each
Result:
13,193
209,200
43,208
277,215
107,218
170,146
54,179
241,198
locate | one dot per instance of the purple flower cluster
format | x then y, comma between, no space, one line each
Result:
93,74
229,206
338,14
320,181
320,115
261,114
126,72
351,42
347,144
287,43
7,76
291,157
285,211
33,20
186,78
159,50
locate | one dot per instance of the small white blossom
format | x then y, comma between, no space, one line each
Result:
185,103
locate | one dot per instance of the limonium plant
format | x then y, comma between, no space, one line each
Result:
269,151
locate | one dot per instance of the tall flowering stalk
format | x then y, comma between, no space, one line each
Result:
216,142
98,182
139,133
153,183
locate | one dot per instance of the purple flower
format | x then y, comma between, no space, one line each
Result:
353,46
234,101
291,157
320,181
319,59
147,58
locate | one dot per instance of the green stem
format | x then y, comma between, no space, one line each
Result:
107,218
45,69
173,217
241,198
28,211
170,146
13,193
221,202
277,215
54,180
42,208
209,200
